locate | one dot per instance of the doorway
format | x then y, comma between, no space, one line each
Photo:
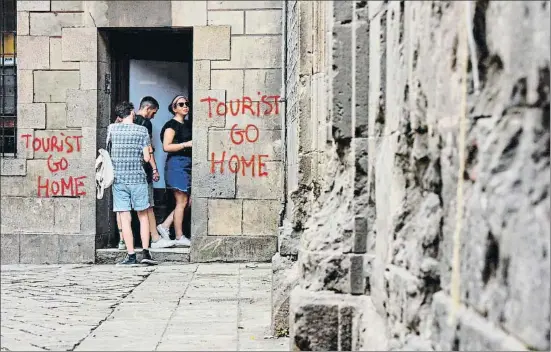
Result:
147,62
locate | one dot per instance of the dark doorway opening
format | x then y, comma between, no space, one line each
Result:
148,61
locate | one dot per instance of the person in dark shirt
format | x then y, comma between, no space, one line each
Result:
148,108
176,136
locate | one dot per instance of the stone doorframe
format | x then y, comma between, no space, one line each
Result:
210,43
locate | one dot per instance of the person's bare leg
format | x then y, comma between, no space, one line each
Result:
152,224
181,202
144,228
168,221
126,221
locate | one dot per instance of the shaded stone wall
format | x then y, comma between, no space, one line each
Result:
62,62
432,166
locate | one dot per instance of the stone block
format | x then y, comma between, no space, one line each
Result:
56,63
189,13
236,19
56,116
470,332
261,217
225,217
33,53
39,249
89,145
13,167
200,144
67,215
60,5
326,270
81,108
314,322
24,86
9,244
205,113
357,275
265,82
199,216
52,86
27,215
285,277
201,74
249,52
138,14
77,249
88,75
31,115
272,121
263,22
267,187
34,5
238,5
24,151
289,239
229,80
80,44
50,23
23,23
211,43
269,143
233,249
211,185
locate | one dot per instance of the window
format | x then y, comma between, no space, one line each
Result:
8,77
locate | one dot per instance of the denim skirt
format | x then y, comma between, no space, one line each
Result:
178,173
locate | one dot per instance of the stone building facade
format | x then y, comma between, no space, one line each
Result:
65,94
417,211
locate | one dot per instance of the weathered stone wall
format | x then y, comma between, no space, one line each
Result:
305,141
237,52
377,252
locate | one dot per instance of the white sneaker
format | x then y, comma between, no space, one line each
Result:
162,243
165,233
183,241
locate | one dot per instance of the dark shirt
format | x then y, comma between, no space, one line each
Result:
182,133
142,121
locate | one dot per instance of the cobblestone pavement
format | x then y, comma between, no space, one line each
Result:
164,308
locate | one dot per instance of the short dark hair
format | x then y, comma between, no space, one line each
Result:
149,101
123,109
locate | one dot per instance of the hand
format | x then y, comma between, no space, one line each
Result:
156,176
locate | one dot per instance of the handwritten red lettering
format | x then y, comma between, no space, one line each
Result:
243,134
238,163
55,166
65,187
27,137
263,105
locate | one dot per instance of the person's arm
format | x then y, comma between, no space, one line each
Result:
153,164
146,145
170,147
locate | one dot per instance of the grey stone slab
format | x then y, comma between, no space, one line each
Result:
169,255
77,249
10,248
233,248
39,249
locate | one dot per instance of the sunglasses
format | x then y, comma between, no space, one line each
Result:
186,103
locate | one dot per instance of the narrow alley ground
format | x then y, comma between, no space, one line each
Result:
165,308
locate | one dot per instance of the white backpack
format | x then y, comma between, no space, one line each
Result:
105,174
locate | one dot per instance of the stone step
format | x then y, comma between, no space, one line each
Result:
178,255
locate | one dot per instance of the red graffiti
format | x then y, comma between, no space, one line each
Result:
238,136
55,166
63,143
66,187
268,104
237,163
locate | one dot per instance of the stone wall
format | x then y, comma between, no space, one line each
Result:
431,230
237,52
